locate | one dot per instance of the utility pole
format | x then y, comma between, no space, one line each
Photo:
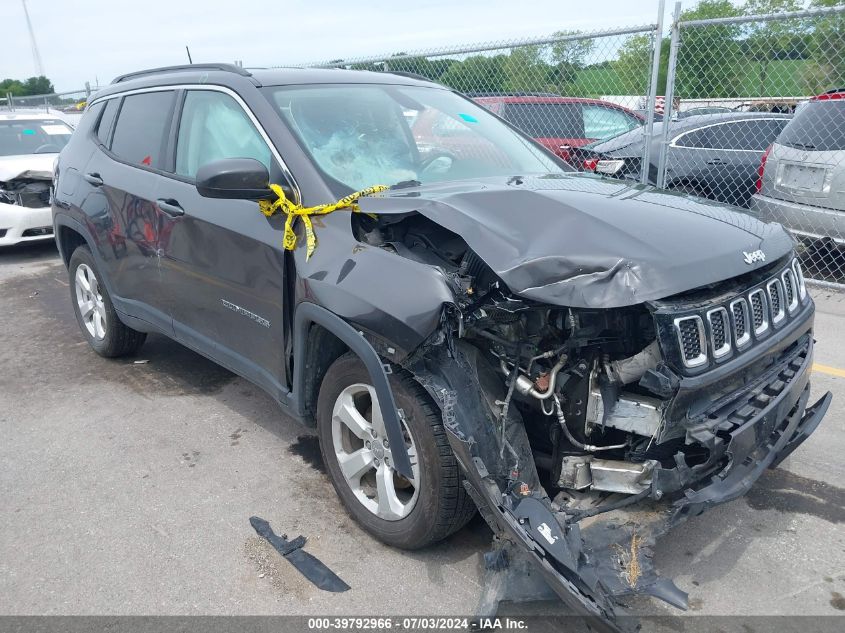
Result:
36,56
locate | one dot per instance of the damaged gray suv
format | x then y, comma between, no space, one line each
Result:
469,324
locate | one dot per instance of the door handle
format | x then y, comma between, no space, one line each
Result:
93,179
716,161
170,207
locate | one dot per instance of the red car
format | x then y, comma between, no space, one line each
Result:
561,123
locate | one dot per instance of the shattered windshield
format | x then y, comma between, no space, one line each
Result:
369,134
35,136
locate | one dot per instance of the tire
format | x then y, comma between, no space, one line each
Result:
425,513
100,325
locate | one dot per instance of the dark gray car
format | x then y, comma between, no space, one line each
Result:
467,323
711,155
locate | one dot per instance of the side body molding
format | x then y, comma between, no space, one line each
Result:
308,313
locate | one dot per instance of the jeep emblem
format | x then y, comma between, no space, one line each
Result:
754,256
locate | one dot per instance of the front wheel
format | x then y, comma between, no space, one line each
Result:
406,513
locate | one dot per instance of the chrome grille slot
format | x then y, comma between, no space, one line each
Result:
799,277
775,291
741,322
691,338
720,336
790,288
760,318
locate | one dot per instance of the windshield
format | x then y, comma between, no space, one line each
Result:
34,136
818,126
365,135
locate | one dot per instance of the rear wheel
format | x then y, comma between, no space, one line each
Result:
96,315
406,513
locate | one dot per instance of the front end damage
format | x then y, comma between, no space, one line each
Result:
582,443
592,402
25,189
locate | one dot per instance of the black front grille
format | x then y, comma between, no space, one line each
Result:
789,288
758,310
714,330
740,326
690,338
717,323
774,294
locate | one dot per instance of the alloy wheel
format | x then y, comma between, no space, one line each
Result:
364,455
89,299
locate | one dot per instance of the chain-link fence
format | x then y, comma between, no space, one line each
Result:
778,148
730,108
69,104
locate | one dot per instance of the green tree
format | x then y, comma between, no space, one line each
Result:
710,61
633,65
32,86
478,73
771,40
826,67
526,70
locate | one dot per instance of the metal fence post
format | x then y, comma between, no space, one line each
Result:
670,94
652,93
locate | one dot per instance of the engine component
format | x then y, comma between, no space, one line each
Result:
628,370
624,477
632,413
579,472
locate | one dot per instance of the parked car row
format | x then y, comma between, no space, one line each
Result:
711,155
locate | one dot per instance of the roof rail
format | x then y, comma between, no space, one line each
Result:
512,94
231,68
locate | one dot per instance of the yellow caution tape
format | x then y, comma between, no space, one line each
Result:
294,211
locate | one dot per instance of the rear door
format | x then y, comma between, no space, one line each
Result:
557,126
722,159
224,266
123,178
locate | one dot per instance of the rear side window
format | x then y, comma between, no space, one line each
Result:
547,120
142,125
745,135
603,123
818,126
696,138
213,127
106,121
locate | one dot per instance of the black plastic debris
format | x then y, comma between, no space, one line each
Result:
309,566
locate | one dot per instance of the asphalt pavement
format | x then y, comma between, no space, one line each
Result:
127,488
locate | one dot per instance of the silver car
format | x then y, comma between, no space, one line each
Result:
802,175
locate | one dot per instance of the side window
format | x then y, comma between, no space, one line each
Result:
142,127
696,138
214,126
604,123
746,135
547,120
106,121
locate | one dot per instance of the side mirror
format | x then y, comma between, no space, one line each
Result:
234,178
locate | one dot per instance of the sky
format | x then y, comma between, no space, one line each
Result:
95,40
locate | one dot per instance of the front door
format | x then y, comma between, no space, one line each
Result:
223,264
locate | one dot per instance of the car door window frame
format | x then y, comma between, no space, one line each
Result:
170,155
674,142
174,138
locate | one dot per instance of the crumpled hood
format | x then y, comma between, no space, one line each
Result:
33,166
590,242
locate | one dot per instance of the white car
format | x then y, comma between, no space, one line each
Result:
29,143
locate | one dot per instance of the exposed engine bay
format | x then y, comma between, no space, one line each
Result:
586,433
26,192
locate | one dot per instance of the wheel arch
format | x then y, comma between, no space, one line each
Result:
314,324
